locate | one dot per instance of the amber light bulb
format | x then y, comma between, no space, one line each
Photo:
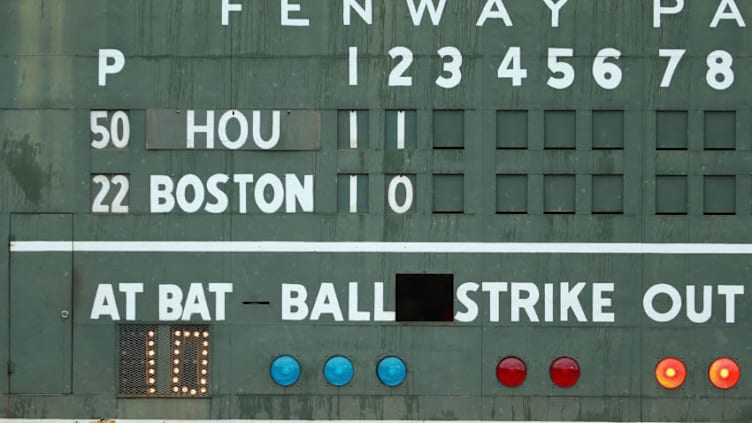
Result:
670,373
724,373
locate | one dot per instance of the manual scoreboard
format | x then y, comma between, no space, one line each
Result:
376,210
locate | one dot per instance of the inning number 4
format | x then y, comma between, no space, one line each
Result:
105,182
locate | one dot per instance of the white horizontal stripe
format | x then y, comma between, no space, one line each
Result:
277,421
376,247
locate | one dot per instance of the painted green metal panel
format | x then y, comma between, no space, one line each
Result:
41,308
638,164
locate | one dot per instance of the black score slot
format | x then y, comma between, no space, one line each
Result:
425,297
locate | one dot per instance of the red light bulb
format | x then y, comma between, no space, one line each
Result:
511,371
564,372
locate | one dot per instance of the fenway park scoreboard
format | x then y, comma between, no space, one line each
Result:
217,210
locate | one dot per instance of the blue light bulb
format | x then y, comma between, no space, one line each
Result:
391,371
285,370
338,370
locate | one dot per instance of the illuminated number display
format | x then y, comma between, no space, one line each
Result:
190,361
163,360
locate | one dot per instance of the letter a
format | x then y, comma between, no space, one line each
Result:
490,13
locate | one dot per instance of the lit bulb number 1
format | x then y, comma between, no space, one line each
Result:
606,71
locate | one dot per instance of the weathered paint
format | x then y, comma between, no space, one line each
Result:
179,57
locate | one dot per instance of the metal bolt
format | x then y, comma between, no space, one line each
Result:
64,314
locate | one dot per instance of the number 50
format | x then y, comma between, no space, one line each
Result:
118,132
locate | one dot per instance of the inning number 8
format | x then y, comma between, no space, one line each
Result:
719,64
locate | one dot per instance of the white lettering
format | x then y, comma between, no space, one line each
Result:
288,7
298,193
294,307
212,187
600,303
379,314
494,9
326,303
555,9
365,12
352,74
258,139
160,189
435,12
353,194
570,300
674,296
659,10
730,292
494,290
170,302
195,303
528,303
353,314
392,194
242,179
194,183
220,290
548,302
104,303
277,197
192,129
228,7
470,305
707,304
130,290
110,68
728,10
242,124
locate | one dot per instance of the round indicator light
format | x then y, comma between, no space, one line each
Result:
338,370
670,373
724,373
564,372
511,371
284,370
391,371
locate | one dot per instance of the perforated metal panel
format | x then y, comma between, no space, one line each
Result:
163,360
138,362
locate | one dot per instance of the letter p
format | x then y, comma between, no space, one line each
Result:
111,61
659,9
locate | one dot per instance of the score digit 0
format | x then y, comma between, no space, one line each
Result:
190,362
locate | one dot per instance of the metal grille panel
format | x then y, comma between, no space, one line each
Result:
163,360
138,360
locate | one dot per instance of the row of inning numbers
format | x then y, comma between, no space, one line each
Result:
605,70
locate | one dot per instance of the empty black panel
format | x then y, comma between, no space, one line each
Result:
425,297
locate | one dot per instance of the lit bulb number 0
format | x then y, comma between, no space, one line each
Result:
606,71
